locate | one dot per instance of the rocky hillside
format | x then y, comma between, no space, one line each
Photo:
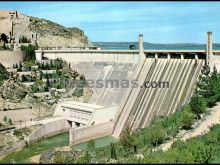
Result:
52,34
45,32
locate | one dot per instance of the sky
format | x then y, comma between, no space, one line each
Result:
159,22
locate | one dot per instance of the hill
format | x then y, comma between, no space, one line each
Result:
46,33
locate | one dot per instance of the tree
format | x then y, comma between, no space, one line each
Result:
203,83
91,145
113,152
48,82
4,38
157,135
4,75
47,66
198,105
20,65
5,119
29,51
87,157
51,64
40,75
46,89
10,121
187,117
128,140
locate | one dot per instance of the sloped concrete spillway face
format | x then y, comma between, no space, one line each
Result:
141,105
107,73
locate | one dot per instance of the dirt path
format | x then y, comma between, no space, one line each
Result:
203,127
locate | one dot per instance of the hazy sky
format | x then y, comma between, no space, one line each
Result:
159,22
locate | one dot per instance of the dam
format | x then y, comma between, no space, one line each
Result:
134,107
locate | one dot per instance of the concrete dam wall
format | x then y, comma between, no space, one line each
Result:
140,105
106,72
137,106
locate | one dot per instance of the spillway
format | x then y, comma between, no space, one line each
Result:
141,105
106,71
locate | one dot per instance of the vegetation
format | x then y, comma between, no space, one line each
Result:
10,121
24,155
4,38
91,145
138,147
23,39
3,74
29,51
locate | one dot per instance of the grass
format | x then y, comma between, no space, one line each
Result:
24,155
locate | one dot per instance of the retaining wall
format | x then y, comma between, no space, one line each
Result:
48,130
8,58
86,133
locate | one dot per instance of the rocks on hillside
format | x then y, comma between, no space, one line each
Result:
13,91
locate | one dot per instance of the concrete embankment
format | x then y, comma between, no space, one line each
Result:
142,105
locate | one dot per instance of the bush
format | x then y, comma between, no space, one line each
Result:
157,135
3,74
91,145
10,121
187,118
23,39
5,119
29,51
198,105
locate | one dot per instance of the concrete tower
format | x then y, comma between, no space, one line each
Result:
141,46
209,53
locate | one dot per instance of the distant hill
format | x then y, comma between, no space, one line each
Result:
45,32
149,46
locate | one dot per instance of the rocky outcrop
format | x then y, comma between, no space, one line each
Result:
52,34
45,32
13,91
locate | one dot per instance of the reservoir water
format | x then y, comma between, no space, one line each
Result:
151,46
24,155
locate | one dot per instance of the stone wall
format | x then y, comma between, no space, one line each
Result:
8,58
17,115
48,130
83,134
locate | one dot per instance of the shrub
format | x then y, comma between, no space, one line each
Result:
198,105
3,74
113,152
187,118
10,121
91,145
5,119
23,39
157,135
29,51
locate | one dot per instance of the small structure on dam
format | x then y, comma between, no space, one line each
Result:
81,114
111,110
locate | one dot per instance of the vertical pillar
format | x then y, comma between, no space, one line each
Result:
39,55
209,47
196,58
156,56
141,46
168,56
182,56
